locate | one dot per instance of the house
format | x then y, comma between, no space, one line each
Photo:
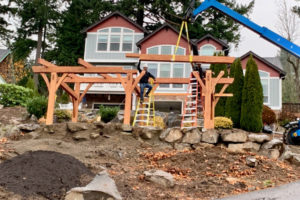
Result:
271,76
5,71
108,40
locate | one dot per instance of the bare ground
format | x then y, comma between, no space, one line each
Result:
199,174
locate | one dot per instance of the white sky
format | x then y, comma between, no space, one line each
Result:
263,14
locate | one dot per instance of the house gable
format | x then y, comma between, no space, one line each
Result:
115,19
263,65
165,35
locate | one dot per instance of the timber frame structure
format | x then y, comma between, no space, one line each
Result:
60,76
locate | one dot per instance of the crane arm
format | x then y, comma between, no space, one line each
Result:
262,31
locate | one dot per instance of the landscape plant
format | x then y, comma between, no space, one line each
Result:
62,115
268,115
252,99
107,113
223,123
14,95
233,104
37,106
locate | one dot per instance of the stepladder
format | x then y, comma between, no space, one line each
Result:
193,104
145,112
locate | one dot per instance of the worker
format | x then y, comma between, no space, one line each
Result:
144,81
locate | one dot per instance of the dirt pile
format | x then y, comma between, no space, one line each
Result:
44,173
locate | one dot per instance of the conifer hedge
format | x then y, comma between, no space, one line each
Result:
233,104
252,99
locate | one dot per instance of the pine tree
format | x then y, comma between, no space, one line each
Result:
233,104
252,99
216,69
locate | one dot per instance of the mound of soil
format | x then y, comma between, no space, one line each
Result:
45,173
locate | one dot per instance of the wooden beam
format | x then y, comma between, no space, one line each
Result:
85,91
181,58
172,80
137,80
82,70
51,99
225,80
69,90
85,64
76,103
91,80
170,94
216,80
46,80
223,95
60,80
196,74
46,63
122,81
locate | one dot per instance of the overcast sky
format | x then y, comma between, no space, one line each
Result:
264,14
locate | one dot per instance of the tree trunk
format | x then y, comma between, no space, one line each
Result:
140,13
38,55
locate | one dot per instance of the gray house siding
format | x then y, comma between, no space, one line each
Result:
92,55
275,94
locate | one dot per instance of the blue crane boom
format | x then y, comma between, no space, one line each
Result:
262,31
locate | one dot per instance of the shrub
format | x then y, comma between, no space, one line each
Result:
223,123
268,115
14,95
64,98
233,104
252,99
107,113
62,115
285,117
30,85
37,106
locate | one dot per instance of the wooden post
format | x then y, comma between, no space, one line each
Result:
76,103
128,98
51,98
209,109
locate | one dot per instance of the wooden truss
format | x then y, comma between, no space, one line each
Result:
60,76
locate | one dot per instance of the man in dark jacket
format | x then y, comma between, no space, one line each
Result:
144,81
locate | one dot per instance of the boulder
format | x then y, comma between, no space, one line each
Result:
174,135
150,132
164,134
159,177
200,146
210,136
238,148
49,129
173,120
10,131
101,187
75,127
192,137
182,146
33,118
251,161
126,128
81,136
234,136
28,127
270,153
94,135
99,124
273,144
259,138
291,154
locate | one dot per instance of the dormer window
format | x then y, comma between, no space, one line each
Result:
207,50
115,39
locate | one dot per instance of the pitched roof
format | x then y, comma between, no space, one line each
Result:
165,25
222,42
111,15
3,54
273,62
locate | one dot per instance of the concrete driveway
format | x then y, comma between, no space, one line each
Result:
285,192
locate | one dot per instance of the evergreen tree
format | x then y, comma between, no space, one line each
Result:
252,99
233,104
38,18
216,69
5,33
69,39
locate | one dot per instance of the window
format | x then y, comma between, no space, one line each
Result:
166,70
265,86
207,50
115,39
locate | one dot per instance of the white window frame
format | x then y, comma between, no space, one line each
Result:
268,79
171,86
109,33
199,51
